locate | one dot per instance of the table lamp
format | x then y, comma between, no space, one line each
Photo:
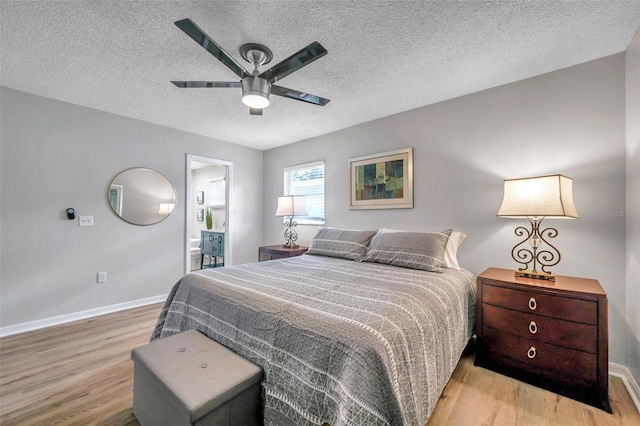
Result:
537,198
166,208
290,206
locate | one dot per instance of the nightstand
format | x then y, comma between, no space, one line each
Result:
279,252
552,335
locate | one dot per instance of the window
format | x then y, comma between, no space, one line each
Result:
308,180
217,193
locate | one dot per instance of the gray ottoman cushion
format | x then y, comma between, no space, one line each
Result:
190,379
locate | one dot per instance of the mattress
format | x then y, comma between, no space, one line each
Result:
341,342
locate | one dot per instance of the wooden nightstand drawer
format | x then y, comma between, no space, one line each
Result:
582,337
264,255
540,357
569,309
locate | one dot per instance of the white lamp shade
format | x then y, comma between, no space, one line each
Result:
291,205
166,208
542,196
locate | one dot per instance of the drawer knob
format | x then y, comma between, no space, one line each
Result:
533,327
532,304
531,353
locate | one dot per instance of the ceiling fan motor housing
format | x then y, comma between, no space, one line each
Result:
255,92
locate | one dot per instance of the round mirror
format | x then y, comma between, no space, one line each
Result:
142,196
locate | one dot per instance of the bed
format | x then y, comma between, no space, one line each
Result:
340,340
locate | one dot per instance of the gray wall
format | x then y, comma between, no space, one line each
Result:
633,204
571,121
57,155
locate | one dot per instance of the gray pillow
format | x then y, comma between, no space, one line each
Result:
342,243
416,250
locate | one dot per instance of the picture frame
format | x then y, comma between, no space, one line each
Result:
115,198
199,215
200,197
382,181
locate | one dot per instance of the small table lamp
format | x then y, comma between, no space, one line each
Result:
166,209
537,198
290,206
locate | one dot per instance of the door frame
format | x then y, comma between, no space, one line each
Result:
189,209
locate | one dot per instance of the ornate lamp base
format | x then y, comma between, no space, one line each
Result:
290,235
544,258
548,276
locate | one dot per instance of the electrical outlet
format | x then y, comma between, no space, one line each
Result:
102,277
85,221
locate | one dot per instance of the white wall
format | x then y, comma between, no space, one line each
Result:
571,121
633,203
57,155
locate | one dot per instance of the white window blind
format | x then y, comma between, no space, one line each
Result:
217,193
308,180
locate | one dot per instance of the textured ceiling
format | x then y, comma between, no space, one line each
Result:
384,57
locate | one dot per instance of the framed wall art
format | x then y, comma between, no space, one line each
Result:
115,198
199,215
200,197
382,181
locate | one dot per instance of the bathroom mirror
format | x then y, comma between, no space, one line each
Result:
141,196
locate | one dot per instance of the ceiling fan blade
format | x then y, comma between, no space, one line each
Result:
294,62
197,84
193,31
255,111
299,96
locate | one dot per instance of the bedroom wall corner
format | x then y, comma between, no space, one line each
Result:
570,121
57,155
633,203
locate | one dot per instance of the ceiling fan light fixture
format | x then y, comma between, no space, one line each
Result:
255,92
255,101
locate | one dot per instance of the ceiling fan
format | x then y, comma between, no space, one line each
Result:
256,86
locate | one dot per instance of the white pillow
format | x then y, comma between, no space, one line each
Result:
451,253
450,256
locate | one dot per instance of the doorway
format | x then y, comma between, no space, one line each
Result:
208,205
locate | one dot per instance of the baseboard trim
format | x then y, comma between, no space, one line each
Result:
623,372
62,319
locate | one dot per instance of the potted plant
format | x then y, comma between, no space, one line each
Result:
209,219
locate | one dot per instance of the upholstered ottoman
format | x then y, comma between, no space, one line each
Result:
188,379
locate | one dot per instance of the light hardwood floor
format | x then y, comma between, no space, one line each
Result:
478,397
82,374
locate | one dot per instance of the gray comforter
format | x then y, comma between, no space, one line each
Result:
342,342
